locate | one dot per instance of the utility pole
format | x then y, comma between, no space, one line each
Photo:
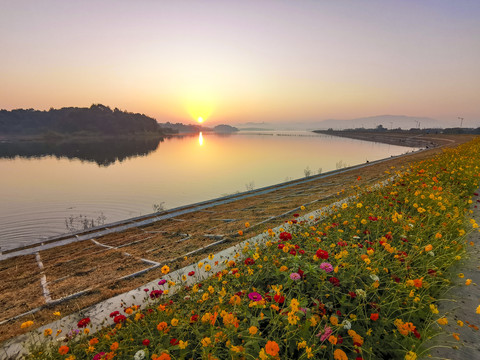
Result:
461,121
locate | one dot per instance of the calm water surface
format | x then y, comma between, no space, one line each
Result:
45,186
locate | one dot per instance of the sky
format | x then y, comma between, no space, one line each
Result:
244,61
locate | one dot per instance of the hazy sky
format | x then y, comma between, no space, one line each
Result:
236,61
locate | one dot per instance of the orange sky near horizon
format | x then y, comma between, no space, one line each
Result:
231,62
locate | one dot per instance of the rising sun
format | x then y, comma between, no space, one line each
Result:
200,119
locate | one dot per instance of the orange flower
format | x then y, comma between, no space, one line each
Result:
162,326
240,232
374,316
339,355
164,356
418,282
429,247
93,341
272,348
62,350
114,346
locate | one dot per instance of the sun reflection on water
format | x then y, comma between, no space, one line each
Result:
200,139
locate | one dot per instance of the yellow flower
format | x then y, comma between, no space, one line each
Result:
262,355
252,330
460,323
208,267
433,309
26,324
247,224
206,342
184,277
200,264
174,322
461,275
182,344
468,282
47,332
308,351
334,320
410,356
302,345
478,309
283,268
456,336
210,256
56,313
165,269
442,321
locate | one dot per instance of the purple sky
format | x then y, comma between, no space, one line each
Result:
238,61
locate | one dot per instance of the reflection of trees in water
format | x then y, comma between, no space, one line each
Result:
104,152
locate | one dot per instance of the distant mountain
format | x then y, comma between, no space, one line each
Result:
387,121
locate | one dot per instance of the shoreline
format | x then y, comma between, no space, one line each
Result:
166,241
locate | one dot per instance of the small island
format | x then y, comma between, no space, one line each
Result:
225,129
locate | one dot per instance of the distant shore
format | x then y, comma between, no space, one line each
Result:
418,140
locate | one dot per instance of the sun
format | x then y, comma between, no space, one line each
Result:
200,120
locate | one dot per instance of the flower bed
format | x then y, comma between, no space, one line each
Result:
360,283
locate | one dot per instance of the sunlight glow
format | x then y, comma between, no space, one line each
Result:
200,120
200,139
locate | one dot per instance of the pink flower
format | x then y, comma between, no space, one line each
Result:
326,266
255,296
295,276
327,331
161,282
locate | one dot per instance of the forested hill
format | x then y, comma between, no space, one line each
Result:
96,120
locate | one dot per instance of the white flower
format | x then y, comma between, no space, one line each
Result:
139,355
361,293
347,324
431,253
374,277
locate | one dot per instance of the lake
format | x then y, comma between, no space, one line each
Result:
48,189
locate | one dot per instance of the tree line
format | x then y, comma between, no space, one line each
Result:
98,119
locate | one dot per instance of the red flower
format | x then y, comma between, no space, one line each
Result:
334,281
352,294
146,342
293,252
113,314
155,294
191,273
249,261
119,318
296,215
193,318
83,323
174,342
322,254
285,236
374,316
279,299
281,246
